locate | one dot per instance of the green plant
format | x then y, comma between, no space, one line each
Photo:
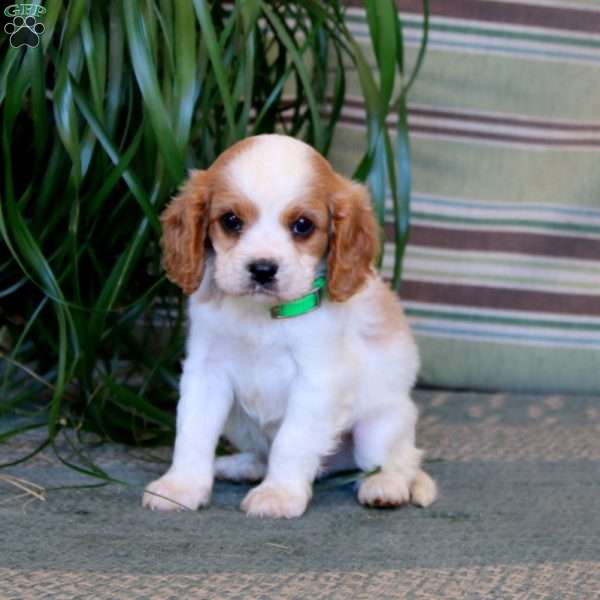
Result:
99,124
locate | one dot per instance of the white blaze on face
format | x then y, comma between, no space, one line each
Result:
272,172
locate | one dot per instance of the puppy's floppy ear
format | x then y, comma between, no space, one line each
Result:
355,240
184,227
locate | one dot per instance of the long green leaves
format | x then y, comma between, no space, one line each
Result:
98,127
387,165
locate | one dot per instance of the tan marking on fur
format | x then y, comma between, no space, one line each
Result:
224,201
354,235
386,317
232,152
354,242
184,232
315,209
185,222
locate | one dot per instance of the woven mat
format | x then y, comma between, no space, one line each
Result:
518,517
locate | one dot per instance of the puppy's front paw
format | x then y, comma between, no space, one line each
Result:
270,500
384,490
175,492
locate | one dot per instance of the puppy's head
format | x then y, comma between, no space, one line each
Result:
273,212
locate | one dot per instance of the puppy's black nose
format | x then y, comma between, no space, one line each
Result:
263,271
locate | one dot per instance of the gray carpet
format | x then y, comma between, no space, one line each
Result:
518,517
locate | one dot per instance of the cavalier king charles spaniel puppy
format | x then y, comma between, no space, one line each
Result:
297,352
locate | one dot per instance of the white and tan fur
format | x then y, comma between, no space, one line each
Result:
326,390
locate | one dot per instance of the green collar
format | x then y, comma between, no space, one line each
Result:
302,305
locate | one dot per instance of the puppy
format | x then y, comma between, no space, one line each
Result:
297,352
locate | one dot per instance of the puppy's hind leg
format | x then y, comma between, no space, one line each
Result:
386,441
243,466
423,490
250,462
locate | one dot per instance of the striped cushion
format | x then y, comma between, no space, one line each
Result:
502,273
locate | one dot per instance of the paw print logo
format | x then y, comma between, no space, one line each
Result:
24,32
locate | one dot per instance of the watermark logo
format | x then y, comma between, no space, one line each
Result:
24,29
24,10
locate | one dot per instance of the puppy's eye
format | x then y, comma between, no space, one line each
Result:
302,227
231,222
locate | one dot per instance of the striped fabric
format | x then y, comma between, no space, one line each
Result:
502,273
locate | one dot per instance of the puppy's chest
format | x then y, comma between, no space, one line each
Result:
262,375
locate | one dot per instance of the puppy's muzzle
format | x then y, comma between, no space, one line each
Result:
263,271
